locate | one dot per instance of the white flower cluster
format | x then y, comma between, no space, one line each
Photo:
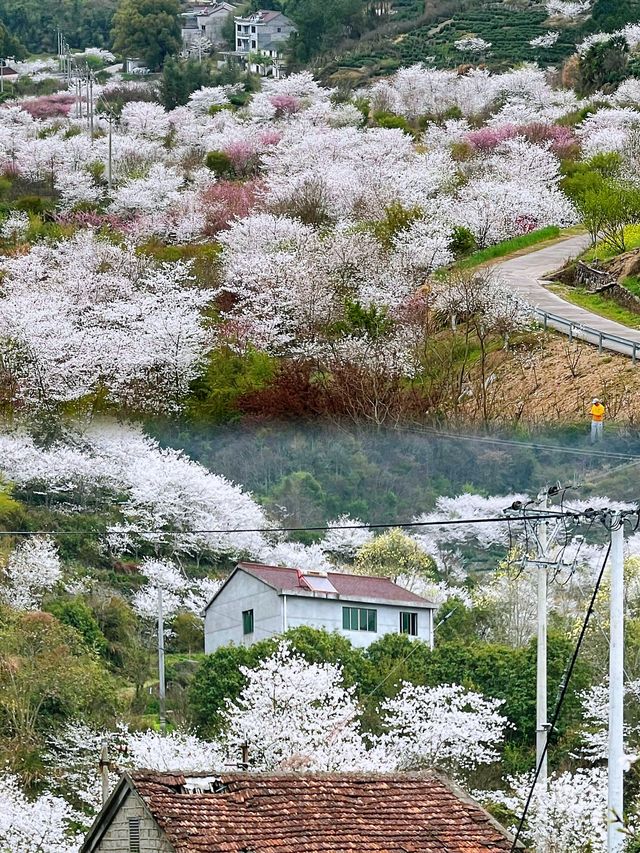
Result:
546,40
472,44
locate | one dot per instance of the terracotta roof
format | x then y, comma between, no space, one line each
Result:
354,587
320,813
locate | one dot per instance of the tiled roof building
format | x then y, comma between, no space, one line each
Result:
288,813
259,601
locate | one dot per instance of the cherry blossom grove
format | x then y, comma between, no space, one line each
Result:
87,313
291,187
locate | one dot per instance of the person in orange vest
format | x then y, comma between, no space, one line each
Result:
597,420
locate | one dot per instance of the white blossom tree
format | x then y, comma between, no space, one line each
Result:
296,715
570,817
40,825
86,314
444,726
32,569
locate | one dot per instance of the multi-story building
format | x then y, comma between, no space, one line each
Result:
261,39
205,22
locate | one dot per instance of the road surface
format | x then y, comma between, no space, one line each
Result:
525,274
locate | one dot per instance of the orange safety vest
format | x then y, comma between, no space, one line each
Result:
597,412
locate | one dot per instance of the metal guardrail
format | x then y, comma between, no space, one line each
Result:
590,335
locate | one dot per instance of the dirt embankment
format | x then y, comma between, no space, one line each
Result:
555,382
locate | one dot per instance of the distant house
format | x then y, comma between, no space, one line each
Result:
261,39
9,74
259,601
205,22
315,813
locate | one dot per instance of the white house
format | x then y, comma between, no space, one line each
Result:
261,39
259,601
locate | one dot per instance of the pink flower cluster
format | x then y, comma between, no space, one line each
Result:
243,156
49,106
225,201
285,105
560,139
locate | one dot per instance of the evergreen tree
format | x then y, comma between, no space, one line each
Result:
147,29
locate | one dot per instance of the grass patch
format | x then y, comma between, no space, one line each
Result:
597,304
602,252
632,283
509,246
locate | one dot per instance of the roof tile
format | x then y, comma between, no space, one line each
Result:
320,813
355,587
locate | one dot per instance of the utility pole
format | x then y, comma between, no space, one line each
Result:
109,161
162,693
615,799
542,731
104,771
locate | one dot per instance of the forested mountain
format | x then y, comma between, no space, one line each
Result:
35,23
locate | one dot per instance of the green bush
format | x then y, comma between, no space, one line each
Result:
462,242
220,164
391,121
228,376
188,633
78,615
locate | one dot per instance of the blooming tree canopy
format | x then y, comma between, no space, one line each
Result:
296,715
444,726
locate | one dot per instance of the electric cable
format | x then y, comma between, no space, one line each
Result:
555,448
561,698
318,528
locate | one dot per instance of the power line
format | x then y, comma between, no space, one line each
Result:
319,528
555,448
563,693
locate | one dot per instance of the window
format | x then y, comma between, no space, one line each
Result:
134,835
239,28
253,29
247,621
409,624
279,29
359,619
253,44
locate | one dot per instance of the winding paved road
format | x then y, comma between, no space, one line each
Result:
526,275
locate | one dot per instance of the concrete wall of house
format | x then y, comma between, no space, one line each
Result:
223,620
327,613
116,838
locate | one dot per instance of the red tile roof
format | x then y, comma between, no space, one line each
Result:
320,813
353,587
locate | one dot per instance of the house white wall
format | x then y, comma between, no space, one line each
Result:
274,613
223,619
327,613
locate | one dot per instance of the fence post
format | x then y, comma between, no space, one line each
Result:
633,357
600,342
570,333
544,321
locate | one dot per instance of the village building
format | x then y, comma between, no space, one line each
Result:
259,601
205,22
261,39
152,812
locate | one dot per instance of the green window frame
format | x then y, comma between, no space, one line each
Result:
360,619
247,621
409,623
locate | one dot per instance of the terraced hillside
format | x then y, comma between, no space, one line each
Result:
417,33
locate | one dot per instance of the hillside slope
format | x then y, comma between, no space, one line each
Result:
509,27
